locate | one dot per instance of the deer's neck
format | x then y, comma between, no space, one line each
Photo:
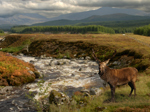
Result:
104,71
104,74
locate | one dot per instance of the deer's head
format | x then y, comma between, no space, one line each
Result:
102,65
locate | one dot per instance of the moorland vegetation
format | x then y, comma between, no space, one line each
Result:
14,71
66,45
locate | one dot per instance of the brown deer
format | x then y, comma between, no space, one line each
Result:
116,77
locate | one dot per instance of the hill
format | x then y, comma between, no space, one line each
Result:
57,23
101,11
94,18
115,17
25,19
21,19
32,18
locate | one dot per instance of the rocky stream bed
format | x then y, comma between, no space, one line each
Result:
62,75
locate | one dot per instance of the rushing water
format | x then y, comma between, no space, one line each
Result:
64,75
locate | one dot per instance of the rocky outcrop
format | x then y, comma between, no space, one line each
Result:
14,99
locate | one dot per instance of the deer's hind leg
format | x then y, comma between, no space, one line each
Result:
134,88
132,85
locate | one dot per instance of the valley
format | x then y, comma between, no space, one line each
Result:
65,64
47,63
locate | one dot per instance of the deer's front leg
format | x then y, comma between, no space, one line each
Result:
112,87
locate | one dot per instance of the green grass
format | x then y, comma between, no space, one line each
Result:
3,34
121,95
122,99
12,49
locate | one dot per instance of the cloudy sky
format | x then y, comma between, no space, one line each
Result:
52,8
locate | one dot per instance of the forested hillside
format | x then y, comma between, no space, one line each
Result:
1,31
64,29
121,23
145,30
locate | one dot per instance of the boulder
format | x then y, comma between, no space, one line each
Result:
58,98
6,90
54,62
88,58
96,91
37,74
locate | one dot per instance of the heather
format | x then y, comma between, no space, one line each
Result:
14,71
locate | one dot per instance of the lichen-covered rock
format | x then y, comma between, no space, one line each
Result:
96,91
5,90
58,98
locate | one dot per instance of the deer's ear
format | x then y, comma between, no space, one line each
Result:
106,62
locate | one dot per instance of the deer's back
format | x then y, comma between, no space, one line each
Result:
122,76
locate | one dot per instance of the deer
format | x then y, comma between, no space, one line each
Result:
115,77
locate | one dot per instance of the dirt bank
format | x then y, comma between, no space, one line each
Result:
50,47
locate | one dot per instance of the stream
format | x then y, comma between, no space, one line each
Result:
64,75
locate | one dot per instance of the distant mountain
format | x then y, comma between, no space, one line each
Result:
23,19
101,14
115,17
4,24
26,19
100,11
2,21
57,22
95,18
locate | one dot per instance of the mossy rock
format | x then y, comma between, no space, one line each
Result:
37,74
81,98
58,98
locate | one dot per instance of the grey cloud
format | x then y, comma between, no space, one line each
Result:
137,4
53,8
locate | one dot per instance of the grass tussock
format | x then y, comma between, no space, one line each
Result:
12,49
14,71
3,35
